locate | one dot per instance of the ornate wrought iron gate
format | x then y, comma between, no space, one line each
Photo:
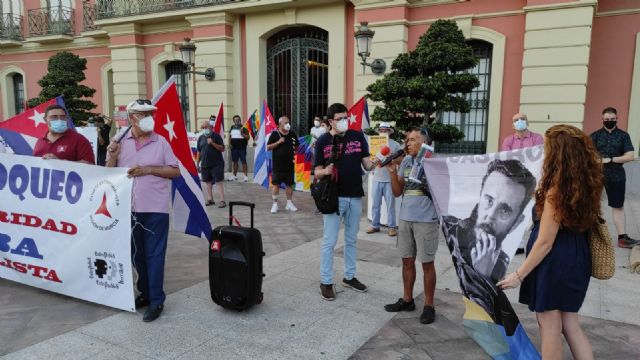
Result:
297,75
473,123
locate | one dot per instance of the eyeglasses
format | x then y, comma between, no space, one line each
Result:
143,102
342,118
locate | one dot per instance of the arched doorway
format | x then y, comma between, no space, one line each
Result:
298,75
474,123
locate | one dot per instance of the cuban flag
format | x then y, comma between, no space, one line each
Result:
22,131
262,163
218,127
188,209
359,115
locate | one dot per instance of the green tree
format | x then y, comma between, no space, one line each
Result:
430,79
65,73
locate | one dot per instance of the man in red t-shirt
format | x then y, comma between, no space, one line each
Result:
60,142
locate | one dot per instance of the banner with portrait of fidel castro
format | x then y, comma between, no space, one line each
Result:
485,207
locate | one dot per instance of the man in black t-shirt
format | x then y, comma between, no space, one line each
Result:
211,163
614,145
283,143
239,136
352,151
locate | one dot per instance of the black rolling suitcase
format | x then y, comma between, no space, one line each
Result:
235,264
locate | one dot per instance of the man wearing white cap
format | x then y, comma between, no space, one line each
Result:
151,164
382,188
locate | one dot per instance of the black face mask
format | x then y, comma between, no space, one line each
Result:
610,124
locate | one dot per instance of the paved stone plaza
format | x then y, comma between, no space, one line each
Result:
294,322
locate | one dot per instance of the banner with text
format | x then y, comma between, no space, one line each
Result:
66,228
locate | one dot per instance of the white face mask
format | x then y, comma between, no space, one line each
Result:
316,123
322,130
146,124
212,122
287,127
342,126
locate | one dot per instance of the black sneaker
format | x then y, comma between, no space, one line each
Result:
627,242
355,285
428,315
152,313
141,302
401,305
327,292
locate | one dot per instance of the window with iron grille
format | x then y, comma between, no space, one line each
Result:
178,68
298,75
473,123
18,93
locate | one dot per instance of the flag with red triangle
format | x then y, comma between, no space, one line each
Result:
188,209
359,115
218,126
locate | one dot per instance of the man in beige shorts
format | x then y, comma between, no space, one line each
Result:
418,228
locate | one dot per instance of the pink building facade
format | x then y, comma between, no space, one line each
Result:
560,61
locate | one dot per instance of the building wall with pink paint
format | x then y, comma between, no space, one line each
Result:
222,33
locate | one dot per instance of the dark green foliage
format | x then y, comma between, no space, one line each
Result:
428,80
65,73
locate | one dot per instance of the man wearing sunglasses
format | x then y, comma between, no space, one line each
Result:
151,164
352,151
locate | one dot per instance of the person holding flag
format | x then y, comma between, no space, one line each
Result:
59,142
239,138
151,163
283,142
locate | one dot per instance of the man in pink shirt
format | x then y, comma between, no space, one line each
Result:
522,138
151,164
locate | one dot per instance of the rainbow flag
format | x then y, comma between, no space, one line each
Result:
303,163
252,124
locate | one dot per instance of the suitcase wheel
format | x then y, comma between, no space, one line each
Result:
260,298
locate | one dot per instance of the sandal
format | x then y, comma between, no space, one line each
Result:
210,202
222,204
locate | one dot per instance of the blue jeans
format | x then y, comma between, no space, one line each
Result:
350,210
379,190
149,233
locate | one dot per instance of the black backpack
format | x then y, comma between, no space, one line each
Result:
325,191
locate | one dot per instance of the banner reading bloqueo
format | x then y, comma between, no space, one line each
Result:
66,227
484,203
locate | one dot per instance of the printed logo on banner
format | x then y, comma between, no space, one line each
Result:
105,270
101,218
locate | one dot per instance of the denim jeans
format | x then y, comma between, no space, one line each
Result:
149,233
350,210
380,190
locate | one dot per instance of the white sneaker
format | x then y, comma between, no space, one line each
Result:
291,207
274,208
246,179
232,178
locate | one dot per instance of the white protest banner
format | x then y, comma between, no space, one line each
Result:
91,133
66,227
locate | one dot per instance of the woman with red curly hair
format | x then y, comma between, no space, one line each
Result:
554,277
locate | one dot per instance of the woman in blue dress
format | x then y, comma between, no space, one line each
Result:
555,275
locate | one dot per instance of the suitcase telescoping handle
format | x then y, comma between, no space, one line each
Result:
240,203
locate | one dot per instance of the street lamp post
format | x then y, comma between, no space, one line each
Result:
188,52
364,38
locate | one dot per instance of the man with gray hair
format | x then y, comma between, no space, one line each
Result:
283,143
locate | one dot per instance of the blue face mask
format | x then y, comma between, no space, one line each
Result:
520,125
58,126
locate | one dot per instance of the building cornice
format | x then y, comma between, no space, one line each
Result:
569,5
618,12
